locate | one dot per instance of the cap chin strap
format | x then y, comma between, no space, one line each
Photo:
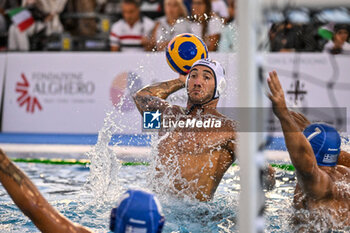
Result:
199,105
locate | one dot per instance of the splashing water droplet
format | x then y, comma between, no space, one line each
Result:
103,178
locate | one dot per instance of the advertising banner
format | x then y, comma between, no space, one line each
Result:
72,92
75,93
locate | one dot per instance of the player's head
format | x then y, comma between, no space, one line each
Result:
205,81
325,142
130,11
137,211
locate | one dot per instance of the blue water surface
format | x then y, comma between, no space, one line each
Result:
63,187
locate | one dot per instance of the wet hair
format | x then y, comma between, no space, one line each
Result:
137,3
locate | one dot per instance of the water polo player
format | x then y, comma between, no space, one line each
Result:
192,161
137,210
322,193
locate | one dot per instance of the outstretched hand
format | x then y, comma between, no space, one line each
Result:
277,95
279,103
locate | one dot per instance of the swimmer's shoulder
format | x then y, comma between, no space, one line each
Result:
344,171
338,177
219,114
228,122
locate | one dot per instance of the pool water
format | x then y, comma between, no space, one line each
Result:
66,189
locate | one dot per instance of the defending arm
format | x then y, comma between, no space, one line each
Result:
28,198
313,180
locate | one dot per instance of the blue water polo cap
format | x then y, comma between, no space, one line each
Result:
325,142
137,211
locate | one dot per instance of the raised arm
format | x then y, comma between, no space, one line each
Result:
313,180
152,97
300,120
28,198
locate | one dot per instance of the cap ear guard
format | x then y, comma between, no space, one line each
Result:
221,87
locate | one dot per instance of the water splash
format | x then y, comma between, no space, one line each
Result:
184,213
278,203
105,165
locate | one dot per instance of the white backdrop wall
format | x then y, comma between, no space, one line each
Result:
71,92
2,74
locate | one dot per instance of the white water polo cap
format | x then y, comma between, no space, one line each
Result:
219,74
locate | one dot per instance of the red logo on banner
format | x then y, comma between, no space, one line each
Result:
31,102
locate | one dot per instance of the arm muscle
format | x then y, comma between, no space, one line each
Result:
28,198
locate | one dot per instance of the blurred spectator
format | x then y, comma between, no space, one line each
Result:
228,38
173,23
308,39
219,7
291,37
84,25
100,5
188,5
265,42
231,11
4,21
152,8
285,39
53,9
339,43
5,5
46,19
111,7
205,24
133,32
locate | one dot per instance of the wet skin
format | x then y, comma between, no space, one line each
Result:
335,204
28,198
322,194
199,158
